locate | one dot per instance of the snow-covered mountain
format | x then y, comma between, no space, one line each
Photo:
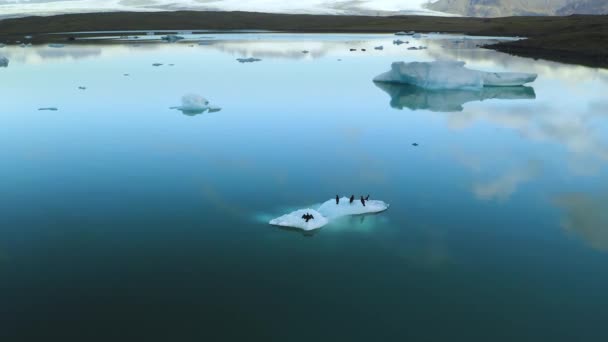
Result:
13,8
502,8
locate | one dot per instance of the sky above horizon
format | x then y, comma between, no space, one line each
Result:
10,8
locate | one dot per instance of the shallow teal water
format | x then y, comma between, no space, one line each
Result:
123,219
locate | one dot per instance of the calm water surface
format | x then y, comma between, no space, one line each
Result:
124,220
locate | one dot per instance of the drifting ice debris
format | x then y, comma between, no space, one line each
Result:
450,75
448,100
248,60
193,104
171,38
28,37
379,47
3,62
328,211
55,45
416,35
401,33
23,45
48,108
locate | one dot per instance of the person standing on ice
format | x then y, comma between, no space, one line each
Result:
363,201
337,200
352,198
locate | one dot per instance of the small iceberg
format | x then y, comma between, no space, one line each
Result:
3,62
379,47
328,211
450,75
248,60
401,33
171,38
296,220
193,104
56,45
48,108
416,35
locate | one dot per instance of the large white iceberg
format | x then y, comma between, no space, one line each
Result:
3,62
193,104
327,211
450,75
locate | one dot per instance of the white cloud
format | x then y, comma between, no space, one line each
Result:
45,7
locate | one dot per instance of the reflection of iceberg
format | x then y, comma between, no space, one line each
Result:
450,75
3,62
328,211
449,100
195,104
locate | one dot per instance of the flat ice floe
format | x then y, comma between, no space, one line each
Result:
3,62
295,220
193,104
327,211
450,75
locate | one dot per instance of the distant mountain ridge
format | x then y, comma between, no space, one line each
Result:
503,8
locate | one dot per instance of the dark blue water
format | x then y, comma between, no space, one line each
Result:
121,219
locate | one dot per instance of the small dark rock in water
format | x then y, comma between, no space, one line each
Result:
48,108
363,50
415,144
82,88
125,74
353,49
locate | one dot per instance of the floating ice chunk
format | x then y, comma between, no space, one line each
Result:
193,104
449,75
28,37
401,33
416,35
248,60
3,62
328,211
332,210
379,47
55,45
48,108
171,38
295,220
449,100
2,45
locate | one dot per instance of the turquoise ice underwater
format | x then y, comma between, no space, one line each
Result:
120,216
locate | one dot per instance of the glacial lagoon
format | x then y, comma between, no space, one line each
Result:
122,218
